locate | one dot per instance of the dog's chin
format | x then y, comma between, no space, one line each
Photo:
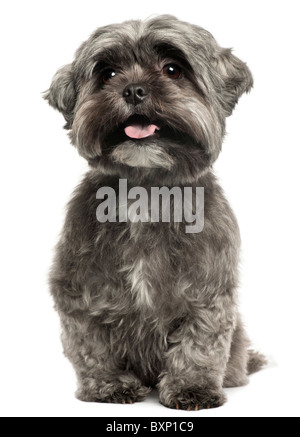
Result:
147,154
140,142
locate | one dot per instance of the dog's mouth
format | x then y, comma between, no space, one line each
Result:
140,141
138,127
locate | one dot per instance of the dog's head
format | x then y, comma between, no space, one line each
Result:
149,95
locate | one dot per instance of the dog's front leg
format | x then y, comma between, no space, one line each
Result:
100,370
197,356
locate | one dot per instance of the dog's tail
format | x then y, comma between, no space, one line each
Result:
256,361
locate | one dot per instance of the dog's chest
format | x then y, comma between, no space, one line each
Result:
140,282
145,264
148,268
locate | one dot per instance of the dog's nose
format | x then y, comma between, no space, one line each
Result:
135,93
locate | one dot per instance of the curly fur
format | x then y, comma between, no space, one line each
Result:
145,304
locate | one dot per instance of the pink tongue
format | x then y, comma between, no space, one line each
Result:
139,131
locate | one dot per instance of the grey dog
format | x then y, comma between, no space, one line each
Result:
145,304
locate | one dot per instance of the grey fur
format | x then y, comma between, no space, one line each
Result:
145,304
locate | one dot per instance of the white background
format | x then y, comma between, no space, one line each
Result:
258,168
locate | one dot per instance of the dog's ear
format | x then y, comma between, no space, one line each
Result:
236,79
62,93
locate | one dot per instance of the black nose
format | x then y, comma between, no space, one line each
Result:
135,93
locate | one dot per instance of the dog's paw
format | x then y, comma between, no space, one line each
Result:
112,392
195,398
127,395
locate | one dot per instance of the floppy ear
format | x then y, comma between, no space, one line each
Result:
62,93
236,79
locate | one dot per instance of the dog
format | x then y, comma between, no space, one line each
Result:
144,303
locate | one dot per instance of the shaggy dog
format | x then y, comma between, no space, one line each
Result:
144,303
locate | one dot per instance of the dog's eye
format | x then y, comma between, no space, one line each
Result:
172,71
107,75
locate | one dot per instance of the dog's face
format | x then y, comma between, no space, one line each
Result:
149,95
